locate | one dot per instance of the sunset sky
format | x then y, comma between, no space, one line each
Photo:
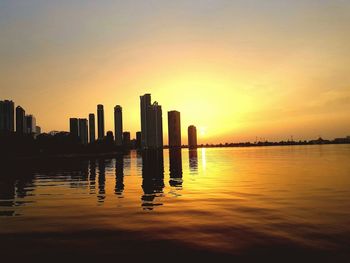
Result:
236,69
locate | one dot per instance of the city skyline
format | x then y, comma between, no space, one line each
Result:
238,68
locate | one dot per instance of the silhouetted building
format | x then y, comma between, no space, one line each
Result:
92,128
83,131
151,124
174,129
110,138
145,103
155,126
74,127
118,125
30,124
7,117
100,122
192,137
20,120
37,130
126,139
138,140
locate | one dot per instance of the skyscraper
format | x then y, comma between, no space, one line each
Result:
92,136
151,123
74,127
37,130
100,122
145,103
138,140
126,139
30,124
174,129
7,117
118,125
20,120
83,131
192,137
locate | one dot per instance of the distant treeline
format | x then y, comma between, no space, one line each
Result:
319,141
13,145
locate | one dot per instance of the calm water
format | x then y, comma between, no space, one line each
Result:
280,203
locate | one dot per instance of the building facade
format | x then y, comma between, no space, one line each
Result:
30,122
151,123
145,103
83,131
7,116
74,127
174,129
100,122
20,120
192,137
118,125
92,136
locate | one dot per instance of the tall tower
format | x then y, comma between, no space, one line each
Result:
20,120
100,121
118,125
192,137
154,126
92,127
83,131
7,116
174,129
151,123
74,127
145,103
30,124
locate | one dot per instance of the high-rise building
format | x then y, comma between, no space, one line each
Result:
74,127
174,129
145,103
138,140
7,117
30,124
37,130
109,138
92,136
154,126
100,122
192,137
151,123
126,139
118,125
83,131
20,120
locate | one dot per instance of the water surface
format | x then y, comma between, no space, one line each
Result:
281,203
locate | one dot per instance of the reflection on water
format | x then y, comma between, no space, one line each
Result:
119,176
175,159
227,200
152,178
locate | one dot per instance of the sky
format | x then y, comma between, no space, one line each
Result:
238,70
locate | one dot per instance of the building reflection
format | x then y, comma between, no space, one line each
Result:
152,178
193,160
16,183
92,177
101,181
119,176
175,160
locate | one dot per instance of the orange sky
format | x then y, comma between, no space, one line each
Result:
235,69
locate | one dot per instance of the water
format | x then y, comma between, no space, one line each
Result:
277,203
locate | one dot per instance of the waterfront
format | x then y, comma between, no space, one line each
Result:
282,203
